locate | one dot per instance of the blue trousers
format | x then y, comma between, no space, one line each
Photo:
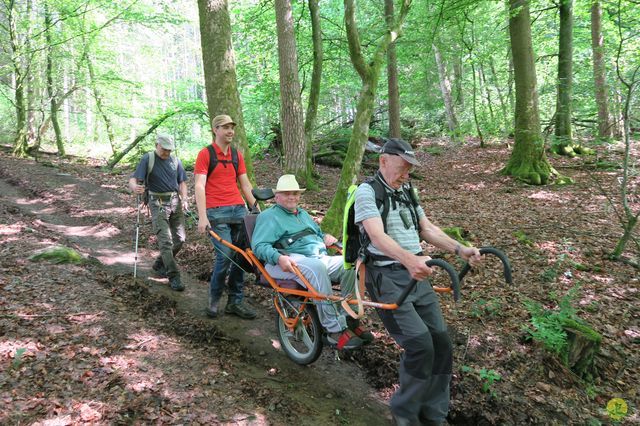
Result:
223,269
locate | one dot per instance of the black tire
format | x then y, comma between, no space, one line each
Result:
304,344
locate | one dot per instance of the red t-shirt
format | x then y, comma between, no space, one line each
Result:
221,188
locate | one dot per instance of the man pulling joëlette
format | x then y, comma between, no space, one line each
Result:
221,206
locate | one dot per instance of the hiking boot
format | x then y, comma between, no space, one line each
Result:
241,310
365,335
175,284
158,267
344,339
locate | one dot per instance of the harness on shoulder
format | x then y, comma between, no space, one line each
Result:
355,240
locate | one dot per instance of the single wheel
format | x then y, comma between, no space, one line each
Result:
303,344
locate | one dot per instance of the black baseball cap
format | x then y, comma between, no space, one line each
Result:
402,148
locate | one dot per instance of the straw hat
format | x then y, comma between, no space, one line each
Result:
288,183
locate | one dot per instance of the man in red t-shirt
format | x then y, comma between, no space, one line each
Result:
221,206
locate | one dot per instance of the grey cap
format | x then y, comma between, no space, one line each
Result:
402,148
166,142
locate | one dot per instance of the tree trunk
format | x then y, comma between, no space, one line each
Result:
599,72
316,78
458,75
503,104
565,80
31,83
291,119
445,88
528,161
630,218
482,79
53,111
219,65
392,78
98,98
369,72
583,345
20,140
475,104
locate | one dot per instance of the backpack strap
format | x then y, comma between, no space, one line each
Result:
213,160
287,240
384,198
151,160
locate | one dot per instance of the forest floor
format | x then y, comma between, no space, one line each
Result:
84,343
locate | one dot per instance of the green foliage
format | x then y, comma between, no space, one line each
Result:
549,275
490,308
17,359
434,150
548,324
458,234
523,238
592,391
488,378
58,254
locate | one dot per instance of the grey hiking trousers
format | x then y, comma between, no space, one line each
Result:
168,225
419,328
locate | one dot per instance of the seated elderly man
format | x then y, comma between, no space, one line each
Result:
285,236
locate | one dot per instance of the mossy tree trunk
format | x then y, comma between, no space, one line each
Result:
583,344
316,79
528,161
20,145
565,81
392,78
219,65
369,72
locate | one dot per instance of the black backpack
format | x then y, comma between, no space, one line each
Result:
213,160
355,242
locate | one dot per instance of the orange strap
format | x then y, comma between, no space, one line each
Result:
358,290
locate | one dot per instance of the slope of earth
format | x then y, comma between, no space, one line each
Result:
84,343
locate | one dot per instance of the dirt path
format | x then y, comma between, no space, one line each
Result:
84,344
139,351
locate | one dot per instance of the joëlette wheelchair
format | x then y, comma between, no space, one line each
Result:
298,327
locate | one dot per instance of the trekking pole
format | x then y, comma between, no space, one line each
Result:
135,260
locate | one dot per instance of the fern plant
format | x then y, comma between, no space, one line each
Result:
548,325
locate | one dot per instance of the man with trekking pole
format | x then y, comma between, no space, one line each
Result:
161,175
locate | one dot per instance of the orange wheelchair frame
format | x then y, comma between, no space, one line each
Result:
299,330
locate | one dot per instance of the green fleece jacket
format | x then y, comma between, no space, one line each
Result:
277,223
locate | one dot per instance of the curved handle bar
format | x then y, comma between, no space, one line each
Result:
494,251
455,283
